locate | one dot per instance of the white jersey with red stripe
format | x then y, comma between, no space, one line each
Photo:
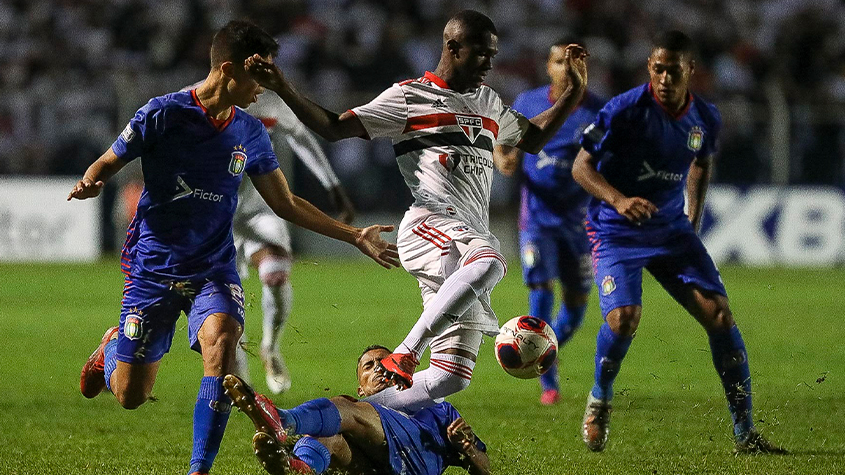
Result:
443,142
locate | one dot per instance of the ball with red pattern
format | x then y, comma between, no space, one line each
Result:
526,347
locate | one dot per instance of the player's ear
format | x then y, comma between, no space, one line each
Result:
228,69
454,47
360,391
691,67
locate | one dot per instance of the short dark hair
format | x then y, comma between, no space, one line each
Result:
239,40
369,349
474,23
673,40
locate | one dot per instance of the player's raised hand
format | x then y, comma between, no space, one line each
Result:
636,209
369,242
85,188
460,435
575,66
264,72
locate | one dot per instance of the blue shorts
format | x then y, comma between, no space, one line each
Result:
557,254
678,262
150,309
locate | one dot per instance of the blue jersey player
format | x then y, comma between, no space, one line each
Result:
360,437
552,238
643,147
179,256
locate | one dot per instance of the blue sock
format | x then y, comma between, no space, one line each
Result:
568,321
610,350
540,302
211,414
318,418
314,453
110,352
731,362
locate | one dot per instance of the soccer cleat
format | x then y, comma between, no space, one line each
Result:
596,425
754,443
550,397
92,381
259,408
278,376
275,459
398,369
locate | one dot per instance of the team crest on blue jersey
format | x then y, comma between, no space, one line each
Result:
133,325
608,285
236,166
529,254
471,126
695,139
128,134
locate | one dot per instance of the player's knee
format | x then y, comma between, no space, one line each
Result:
489,264
624,320
448,385
131,399
548,285
274,270
722,320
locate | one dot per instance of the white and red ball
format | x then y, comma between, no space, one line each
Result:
526,347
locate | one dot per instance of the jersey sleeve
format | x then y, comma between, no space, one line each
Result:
141,132
512,126
260,159
386,115
711,140
599,135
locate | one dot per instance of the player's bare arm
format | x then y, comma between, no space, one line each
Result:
96,176
585,172
462,437
544,126
697,183
273,187
328,124
506,159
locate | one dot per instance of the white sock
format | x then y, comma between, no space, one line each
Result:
483,269
447,375
276,302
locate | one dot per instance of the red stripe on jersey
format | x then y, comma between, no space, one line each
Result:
216,123
488,253
436,79
435,231
422,122
452,368
269,122
427,238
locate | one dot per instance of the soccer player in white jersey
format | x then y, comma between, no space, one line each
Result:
263,239
444,126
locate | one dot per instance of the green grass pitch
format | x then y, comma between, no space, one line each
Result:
670,412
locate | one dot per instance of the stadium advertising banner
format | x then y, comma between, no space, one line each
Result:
760,226
37,223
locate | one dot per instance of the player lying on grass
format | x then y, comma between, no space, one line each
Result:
444,126
179,254
359,437
644,148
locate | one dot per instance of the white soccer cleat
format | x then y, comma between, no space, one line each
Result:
596,425
278,376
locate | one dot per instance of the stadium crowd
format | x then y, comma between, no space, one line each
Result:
72,72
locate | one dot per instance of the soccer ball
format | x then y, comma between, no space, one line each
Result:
526,347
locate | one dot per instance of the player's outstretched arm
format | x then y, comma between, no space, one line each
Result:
273,187
585,172
462,437
506,159
328,124
697,182
96,176
544,126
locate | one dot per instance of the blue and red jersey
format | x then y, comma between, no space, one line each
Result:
550,197
643,150
192,166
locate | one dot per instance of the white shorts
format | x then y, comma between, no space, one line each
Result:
431,248
256,232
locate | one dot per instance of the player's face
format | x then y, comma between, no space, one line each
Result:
475,59
555,66
243,89
369,381
670,74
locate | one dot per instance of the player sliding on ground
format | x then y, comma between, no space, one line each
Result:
644,146
179,255
444,126
359,437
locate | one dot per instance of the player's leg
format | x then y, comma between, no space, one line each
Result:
539,264
693,280
274,265
452,362
479,268
215,324
575,272
619,279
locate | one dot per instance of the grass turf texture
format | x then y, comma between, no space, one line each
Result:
670,414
